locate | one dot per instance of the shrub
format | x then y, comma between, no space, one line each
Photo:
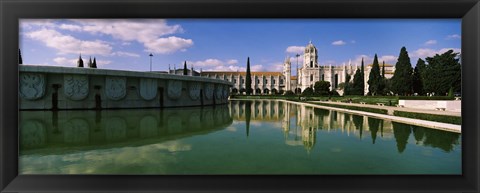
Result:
307,92
426,98
289,93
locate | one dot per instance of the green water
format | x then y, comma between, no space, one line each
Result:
244,137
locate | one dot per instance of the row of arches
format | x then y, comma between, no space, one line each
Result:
256,91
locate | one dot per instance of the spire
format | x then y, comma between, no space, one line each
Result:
80,61
287,60
90,62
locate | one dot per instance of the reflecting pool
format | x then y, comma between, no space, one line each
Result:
243,137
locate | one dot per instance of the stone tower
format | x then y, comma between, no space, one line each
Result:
287,72
310,56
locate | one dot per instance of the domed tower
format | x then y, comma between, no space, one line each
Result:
287,72
310,56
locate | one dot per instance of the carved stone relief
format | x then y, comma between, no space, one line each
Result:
32,86
174,89
209,91
194,90
225,92
115,87
76,86
76,131
148,88
219,92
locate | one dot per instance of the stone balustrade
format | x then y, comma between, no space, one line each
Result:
52,88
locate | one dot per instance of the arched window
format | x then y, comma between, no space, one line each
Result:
311,77
323,77
311,64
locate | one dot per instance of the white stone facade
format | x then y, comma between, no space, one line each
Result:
308,73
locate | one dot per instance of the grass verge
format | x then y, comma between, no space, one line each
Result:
430,117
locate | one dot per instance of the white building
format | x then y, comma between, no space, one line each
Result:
308,73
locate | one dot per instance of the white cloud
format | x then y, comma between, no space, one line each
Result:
127,54
167,45
62,61
389,59
427,52
149,32
454,36
295,49
339,43
232,61
29,23
70,27
66,44
293,60
258,68
430,42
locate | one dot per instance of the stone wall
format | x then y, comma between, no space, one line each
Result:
450,105
48,87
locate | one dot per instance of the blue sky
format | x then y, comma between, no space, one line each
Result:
225,44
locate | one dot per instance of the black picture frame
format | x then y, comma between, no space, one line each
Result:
11,11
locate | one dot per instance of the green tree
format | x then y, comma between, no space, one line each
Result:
80,61
248,81
382,87
322,87
20,61
374,79
442,73
308,92
357,86
185,71
383,70
347,86
402,78
417,83
94,63
362,71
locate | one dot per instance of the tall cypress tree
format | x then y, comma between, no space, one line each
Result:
185,72
80,61
248,77
402,78
357,88
94,64
20,61
374,78
383,70
363,78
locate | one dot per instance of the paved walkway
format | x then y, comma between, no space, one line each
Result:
391,109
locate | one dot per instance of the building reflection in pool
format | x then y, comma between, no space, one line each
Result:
308,120
94,129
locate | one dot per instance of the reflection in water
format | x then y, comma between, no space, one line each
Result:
308,120
87,128
225,139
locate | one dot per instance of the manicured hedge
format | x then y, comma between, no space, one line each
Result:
430,117
366,109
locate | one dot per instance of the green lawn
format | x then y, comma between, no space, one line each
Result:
388,100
